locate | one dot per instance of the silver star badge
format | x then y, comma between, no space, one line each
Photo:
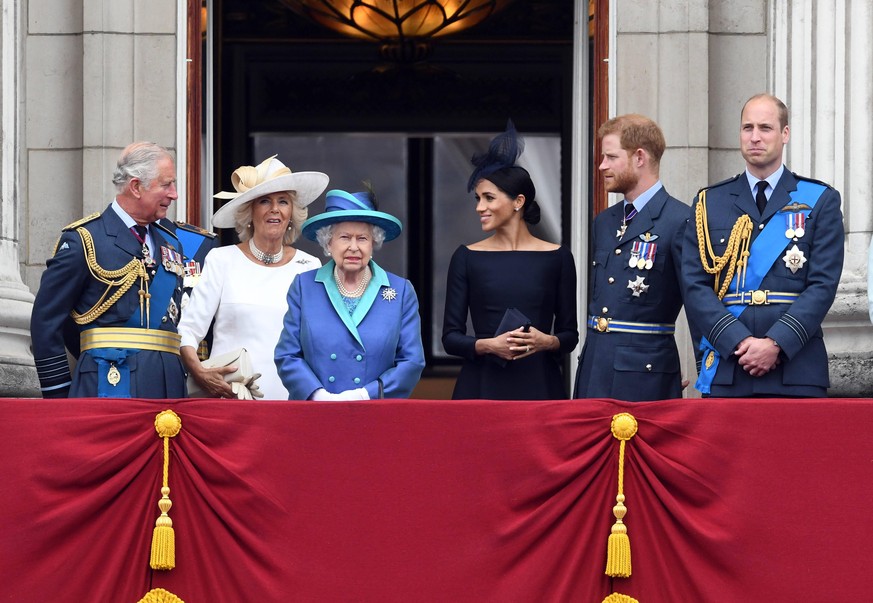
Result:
638,286
389,294
794,259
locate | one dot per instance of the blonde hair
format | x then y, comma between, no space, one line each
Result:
242,220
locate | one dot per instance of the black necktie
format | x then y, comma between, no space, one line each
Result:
761,198
629,212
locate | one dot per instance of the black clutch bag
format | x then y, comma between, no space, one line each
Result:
512,320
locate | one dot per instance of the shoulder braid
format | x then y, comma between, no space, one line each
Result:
736,254
123,279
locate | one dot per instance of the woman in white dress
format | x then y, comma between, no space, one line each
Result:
244,287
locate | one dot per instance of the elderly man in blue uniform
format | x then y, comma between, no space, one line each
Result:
118,275
761,265
630,351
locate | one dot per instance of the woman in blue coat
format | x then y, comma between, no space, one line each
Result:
352,330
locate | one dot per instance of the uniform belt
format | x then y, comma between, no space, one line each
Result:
130,338
759,297
601,324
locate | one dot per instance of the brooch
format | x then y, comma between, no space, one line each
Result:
794,259
389,294
638,286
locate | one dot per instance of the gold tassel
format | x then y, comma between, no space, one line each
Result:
163,557
619,598
618,553
159,595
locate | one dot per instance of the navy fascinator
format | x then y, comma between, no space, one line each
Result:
503,152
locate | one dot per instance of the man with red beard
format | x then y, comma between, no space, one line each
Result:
630,351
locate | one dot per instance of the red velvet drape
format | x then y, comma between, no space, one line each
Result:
434,501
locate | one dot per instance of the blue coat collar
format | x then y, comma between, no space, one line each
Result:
324,275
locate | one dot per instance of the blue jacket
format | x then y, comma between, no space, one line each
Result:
796,327
321,345
67,284
629,366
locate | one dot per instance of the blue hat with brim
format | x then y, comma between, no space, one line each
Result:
341,206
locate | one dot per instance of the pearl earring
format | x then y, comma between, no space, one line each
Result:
517,208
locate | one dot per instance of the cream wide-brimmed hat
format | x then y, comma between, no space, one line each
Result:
270,176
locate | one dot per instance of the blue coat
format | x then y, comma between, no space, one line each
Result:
67,284
321,345
796,327
629,366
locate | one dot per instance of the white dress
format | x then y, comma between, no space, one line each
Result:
249,302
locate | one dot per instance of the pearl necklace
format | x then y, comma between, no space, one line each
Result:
365,280
266,258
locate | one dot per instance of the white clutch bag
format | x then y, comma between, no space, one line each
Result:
242,379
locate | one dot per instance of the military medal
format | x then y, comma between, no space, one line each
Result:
801,223
650,255
113,376
794,259
635,255
192,273
638,286
173,311
796,223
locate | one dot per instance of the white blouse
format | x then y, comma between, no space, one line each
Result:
248,302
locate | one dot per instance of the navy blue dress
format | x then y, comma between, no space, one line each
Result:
542,285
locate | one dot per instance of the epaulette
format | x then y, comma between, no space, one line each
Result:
79,223
195,229
808,179
731,179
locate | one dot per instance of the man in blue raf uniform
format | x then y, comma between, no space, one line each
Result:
118,276
630,351
761,265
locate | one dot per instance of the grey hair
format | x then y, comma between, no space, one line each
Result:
138,160
242,220
324,234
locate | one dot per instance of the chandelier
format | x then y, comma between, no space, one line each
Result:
403,27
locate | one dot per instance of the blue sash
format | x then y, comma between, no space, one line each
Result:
765,250
105,358
191,242
161,289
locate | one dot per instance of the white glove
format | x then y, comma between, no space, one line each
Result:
246,388
354,394
322,395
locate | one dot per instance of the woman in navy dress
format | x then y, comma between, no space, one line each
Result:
507,278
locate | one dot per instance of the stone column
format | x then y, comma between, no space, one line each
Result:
822,67
17,375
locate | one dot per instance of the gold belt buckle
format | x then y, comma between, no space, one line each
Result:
758,297
601,324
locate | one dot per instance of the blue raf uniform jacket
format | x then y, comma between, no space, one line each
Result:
795,327
378,347
631,366
68,284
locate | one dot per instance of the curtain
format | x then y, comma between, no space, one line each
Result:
437,501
